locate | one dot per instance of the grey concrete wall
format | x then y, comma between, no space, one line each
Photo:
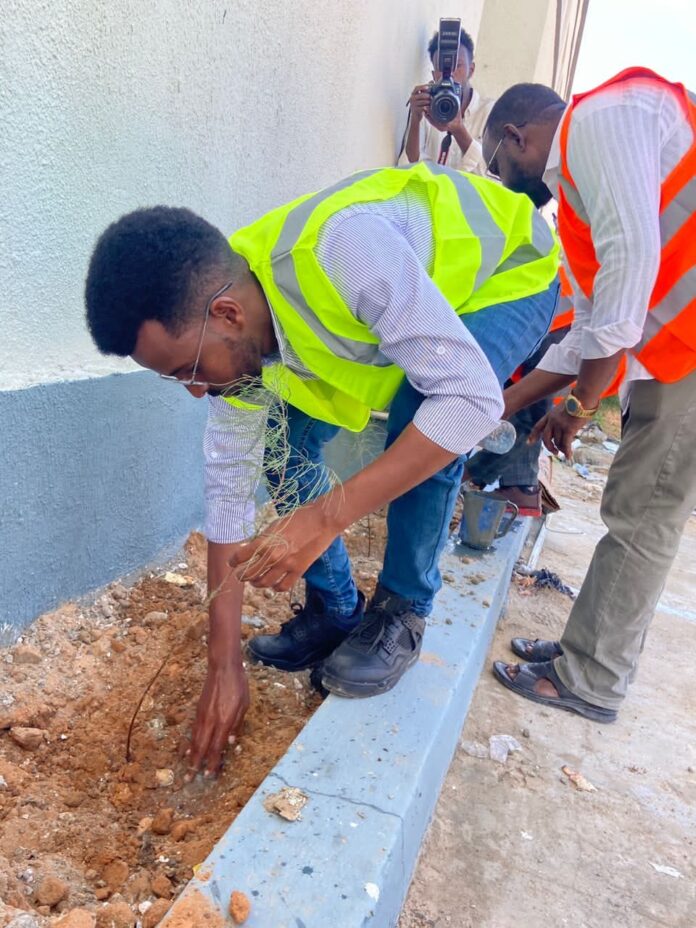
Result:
96,477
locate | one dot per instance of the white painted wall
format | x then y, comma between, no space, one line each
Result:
516,43
229,107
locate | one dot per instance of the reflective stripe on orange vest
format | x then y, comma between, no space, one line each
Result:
668,346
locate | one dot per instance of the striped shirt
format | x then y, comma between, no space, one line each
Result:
378,256
622,144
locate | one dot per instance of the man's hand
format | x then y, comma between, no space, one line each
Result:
419,102
557,430
225,697
221,710
279,556
455,126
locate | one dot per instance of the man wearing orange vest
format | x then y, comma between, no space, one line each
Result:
517,471
621,160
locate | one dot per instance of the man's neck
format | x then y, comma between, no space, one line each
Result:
261,316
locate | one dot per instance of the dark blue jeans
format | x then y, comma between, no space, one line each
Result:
418,521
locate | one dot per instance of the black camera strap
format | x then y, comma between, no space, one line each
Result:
444,148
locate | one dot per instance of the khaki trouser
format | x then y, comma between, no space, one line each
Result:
650,493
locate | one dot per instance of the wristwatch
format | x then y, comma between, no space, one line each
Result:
574,407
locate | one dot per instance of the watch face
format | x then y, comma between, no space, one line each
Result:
572,405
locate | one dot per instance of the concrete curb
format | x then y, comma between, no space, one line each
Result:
372,770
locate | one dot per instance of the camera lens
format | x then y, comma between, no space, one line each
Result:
444,107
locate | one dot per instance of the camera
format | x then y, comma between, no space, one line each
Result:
446,93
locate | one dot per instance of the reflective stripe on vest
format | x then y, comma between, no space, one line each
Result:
565,312
489,246
668,345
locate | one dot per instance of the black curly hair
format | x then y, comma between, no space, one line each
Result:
152,264
465,40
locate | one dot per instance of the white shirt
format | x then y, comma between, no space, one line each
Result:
378,256
622,143
475,117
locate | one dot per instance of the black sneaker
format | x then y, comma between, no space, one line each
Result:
375,656
305,640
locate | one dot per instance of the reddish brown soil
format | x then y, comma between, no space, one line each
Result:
73,808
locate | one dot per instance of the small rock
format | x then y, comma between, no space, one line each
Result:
525,733
253,621
140,635
118,646
118,592
177,579
155,913
23,921
28,738
73,798
115,874
594,434
240,907
43,909
164,776
145,824
499,746
162,822
197,629
116,914
102,646
287,803
77,918
182,828
102,893
594,457
155,618
3,782
474,749
161,886
139,886
24,654
51,891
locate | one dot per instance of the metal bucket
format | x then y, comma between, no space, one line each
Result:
485,518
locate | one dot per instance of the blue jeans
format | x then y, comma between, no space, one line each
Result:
418,521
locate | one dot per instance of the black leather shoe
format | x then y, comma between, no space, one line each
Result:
375,656
305,640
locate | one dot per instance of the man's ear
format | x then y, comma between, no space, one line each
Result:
228,310
515,136
472,68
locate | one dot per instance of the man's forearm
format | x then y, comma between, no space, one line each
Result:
463,138
535,386
594,377
225,593
412,147
409,461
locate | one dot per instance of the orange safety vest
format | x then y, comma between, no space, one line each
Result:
668,346
566,291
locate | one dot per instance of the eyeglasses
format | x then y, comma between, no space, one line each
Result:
191,381
494,174
490,173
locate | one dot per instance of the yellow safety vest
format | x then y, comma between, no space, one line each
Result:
490,246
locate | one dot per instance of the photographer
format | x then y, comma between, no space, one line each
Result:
457,143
